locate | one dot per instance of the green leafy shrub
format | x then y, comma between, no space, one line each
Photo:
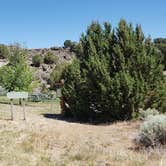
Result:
37,60
50,58
153,131
56,74
160,43
16,76
114,73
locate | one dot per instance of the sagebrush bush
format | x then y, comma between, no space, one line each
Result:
145,113
153,131
50,58
37,60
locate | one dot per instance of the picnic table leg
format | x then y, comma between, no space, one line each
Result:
11,108
24,109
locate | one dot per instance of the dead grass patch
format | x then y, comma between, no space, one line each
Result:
43,141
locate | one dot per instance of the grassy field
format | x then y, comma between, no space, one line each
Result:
47,140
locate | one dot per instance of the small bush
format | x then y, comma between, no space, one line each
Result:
153,131
50,58
4,51
37,60
146,113
55,76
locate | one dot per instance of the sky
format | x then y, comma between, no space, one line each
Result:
46,23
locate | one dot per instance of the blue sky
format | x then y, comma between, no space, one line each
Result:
46,23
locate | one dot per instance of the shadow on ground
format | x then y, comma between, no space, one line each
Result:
58,117
72,120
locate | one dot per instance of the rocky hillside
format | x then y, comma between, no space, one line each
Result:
42,73
60,52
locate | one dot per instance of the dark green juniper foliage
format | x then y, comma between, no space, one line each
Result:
113,74
160,43
73,46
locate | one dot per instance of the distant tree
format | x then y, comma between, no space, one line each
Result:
37,60
160,40
67,43
73,46
16,76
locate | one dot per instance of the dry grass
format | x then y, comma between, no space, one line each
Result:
45,141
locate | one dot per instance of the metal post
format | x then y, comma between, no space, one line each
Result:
11,108
24,109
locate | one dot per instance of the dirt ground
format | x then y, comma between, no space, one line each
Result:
45,139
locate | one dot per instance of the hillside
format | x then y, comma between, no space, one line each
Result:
42,73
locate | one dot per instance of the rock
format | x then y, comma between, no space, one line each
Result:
44,67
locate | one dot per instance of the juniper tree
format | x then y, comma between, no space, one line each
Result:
160,43
117,69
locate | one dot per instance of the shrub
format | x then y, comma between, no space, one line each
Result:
160,43
149,112
44,88
56,74
16,76
37,60
4,51
2,91
50,58
153,131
